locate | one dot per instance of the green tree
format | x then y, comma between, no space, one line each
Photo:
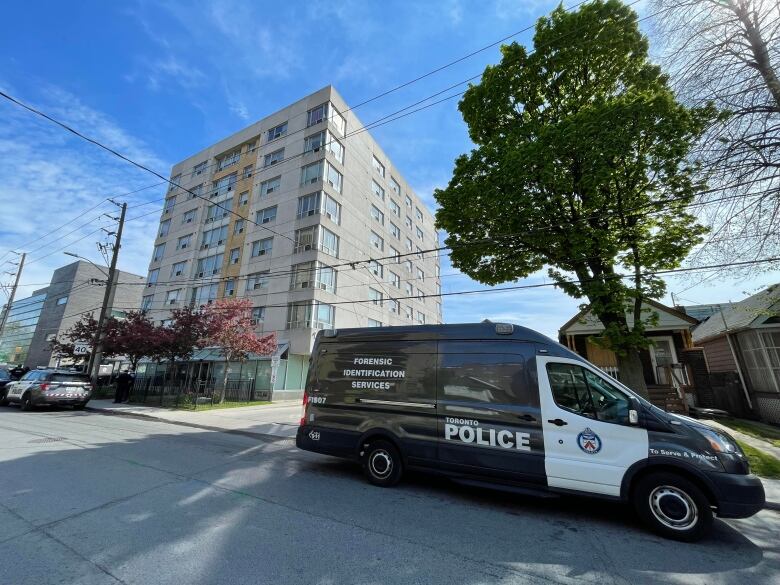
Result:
580,166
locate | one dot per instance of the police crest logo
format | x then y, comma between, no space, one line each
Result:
589,441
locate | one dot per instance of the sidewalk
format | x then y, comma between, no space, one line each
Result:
771,486
268,422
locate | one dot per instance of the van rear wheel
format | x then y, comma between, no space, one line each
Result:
673,506
382,463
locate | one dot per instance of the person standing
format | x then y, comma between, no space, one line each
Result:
123,383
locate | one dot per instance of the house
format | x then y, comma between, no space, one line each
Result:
744,338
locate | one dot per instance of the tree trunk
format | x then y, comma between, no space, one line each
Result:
224,383
631,372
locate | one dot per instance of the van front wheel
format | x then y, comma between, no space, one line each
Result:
673,506
382,463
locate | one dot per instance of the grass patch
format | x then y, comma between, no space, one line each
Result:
231,405
753,429
761,463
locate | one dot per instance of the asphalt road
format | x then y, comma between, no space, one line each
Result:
88,498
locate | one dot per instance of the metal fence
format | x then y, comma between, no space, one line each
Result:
187,393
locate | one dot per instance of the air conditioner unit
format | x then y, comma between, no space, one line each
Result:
316,149
172,301
305,284
307,247
188,220
200,275
178,273
235,260
324,286
261,252
209,220
215,271
266,220
230,293
204,246
183,246
257,285
220,242
270,190
311,212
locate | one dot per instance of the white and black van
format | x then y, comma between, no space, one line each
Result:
498,404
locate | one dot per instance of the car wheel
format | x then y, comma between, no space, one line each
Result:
382,463
26,403
673,506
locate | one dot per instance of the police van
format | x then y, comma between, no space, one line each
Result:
501,405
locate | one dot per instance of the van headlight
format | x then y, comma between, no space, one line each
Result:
720,443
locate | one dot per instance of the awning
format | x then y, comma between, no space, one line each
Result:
214,354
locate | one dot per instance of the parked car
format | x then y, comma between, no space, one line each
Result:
5,379
50,387
502,405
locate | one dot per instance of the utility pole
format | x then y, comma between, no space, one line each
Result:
13,293
96,355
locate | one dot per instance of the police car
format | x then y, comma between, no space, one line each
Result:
50,387
502,405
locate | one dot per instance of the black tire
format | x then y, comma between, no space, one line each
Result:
79,406
382,463
26,404
673,506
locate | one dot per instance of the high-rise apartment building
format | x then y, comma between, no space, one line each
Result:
282,208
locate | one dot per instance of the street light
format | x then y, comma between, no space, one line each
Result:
87,260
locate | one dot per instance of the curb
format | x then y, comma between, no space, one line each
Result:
252,435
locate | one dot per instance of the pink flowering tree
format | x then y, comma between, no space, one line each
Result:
229,327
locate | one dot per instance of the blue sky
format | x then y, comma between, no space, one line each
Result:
161,80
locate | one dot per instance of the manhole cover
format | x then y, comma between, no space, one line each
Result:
47,440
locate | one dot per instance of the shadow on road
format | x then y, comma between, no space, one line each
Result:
173,505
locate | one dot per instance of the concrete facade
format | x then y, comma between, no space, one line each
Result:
316,195
74,292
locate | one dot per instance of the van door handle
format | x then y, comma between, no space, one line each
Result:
557,422
527,417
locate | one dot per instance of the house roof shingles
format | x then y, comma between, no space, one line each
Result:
738,315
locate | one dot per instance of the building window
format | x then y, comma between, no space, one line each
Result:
165,227
332,209
172,296
218,210
419,252
270,186
258,315
235,255
175,182
377,241
377,190
409,289
408,312
314,142
338,121
395,254
378,216
238,227
408,266
262,247
170,202
311,173
62,300
395,208
257,280
395,186
304,239
224,185
420,275
230,287
209,266
408,201
329,242
316,115
335,148
159,250
408,222
333,177
213,238
195,191
188,216
313,275
319,202
392,305
178,269
250,146
153,276
420,317
146,302
247,173
273,158
409,245
204,295
374,323
199,168
419,232
378,166
243,198
314,315
276,132
266,215
395,230
438,310
229,159
375,268
394,279
326,278
419,214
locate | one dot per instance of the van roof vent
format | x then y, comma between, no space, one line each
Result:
504,328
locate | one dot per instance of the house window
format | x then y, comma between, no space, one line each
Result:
62,300
378,166
270,186
333,177
153,276
257,280
178,269
146,302
247,173
188,216
378,216
174,182
394,279
165,227
262,247
266,215
375,268
377,241
273,158
395,230
172,296
238,227
209,266
316,115
204,295
170,202
199,168
276,132
374,323
213,238
395,208
314,142
159,250
235,255
243,198
228,159
377,190
230,287
311,173
329,242
258,315
335,148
